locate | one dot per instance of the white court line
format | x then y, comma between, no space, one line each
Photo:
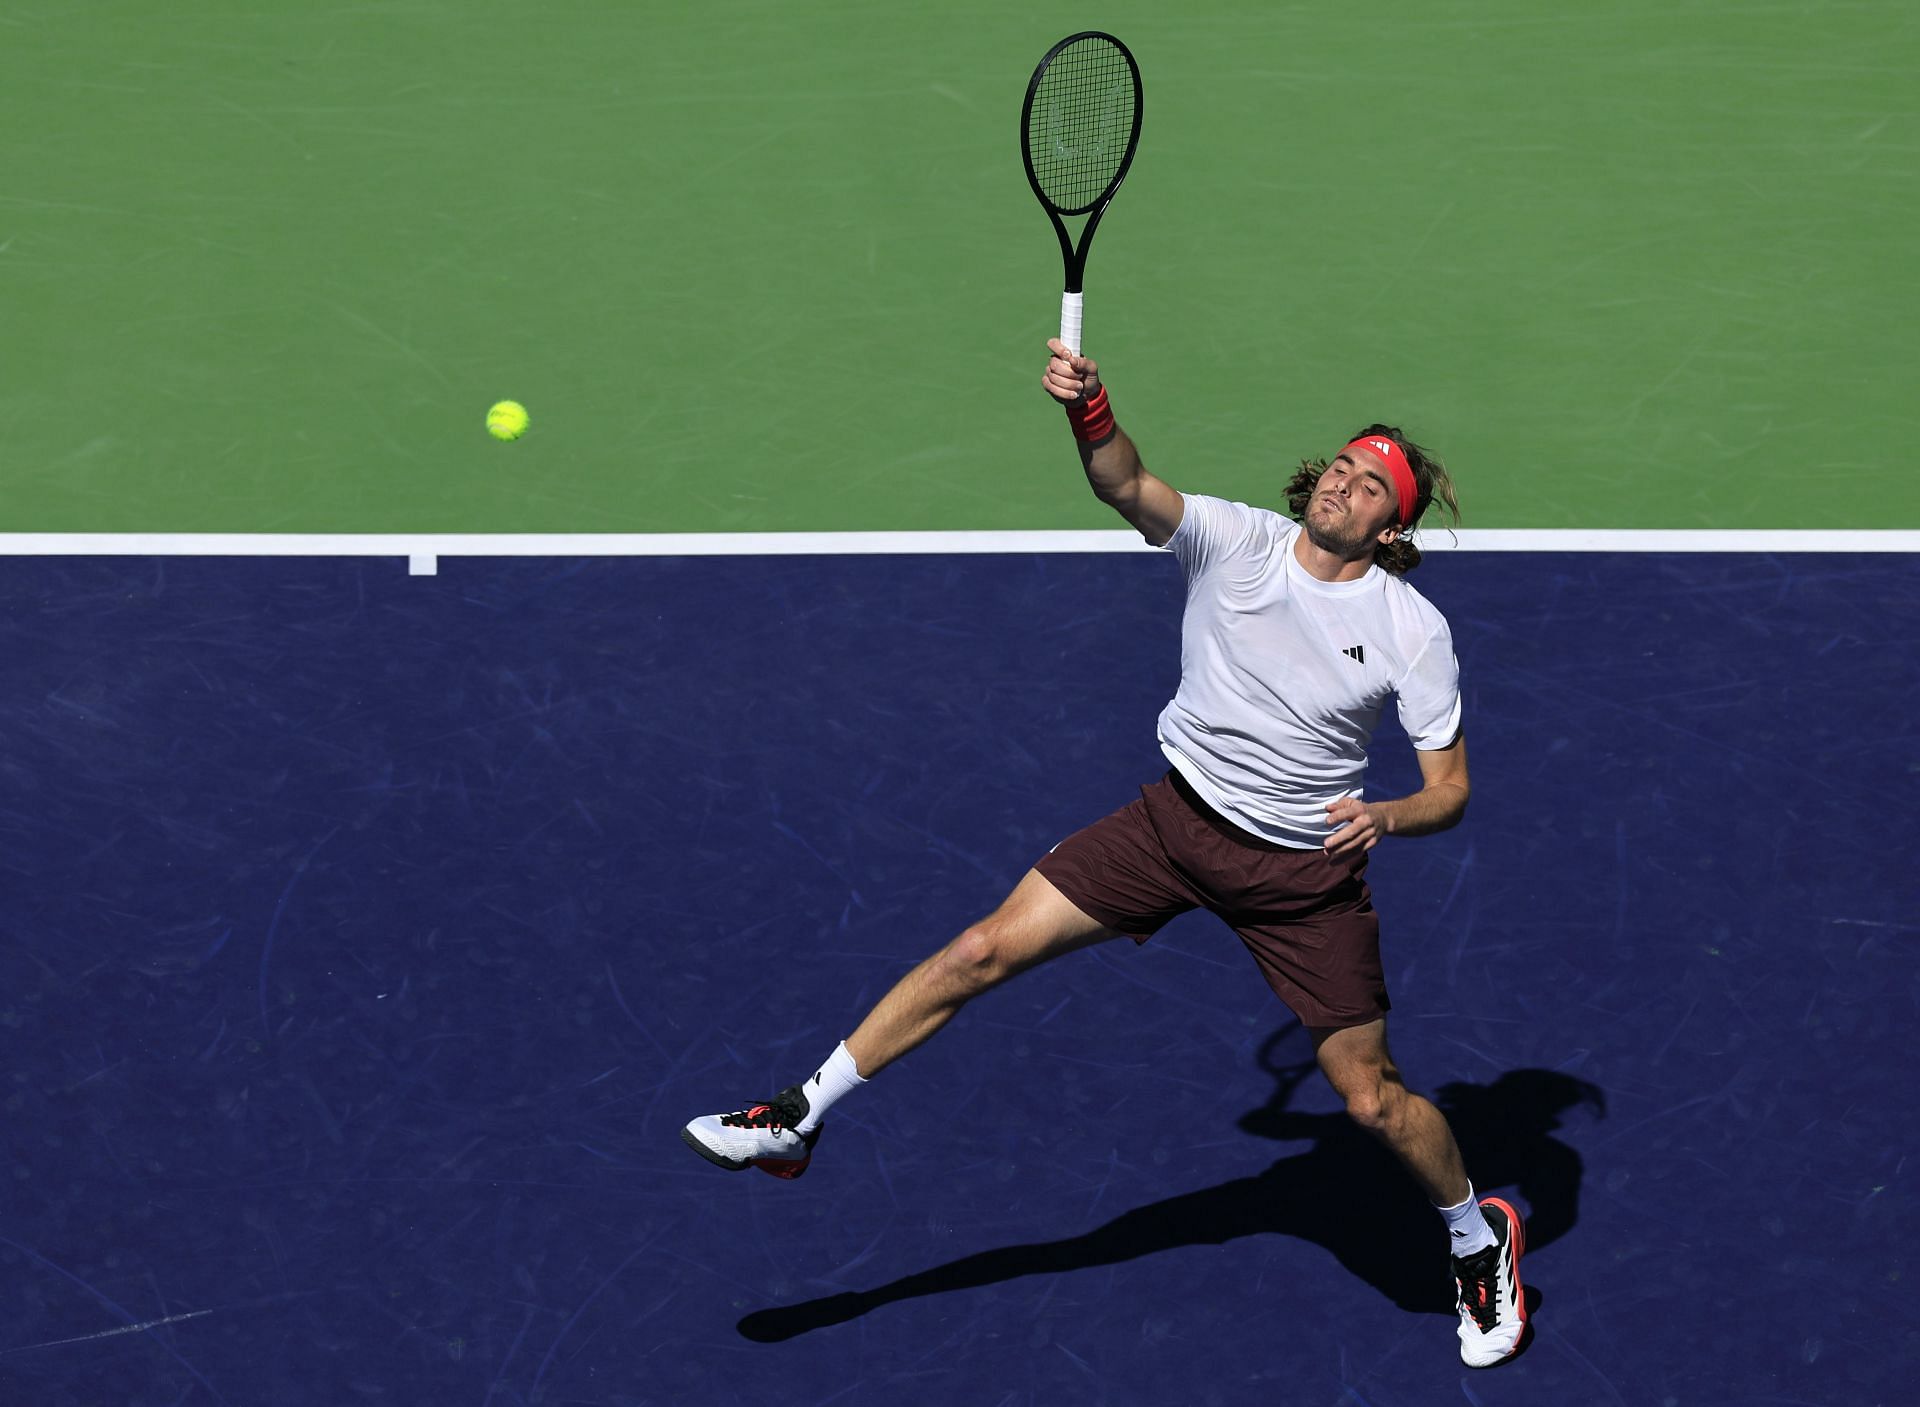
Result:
423,550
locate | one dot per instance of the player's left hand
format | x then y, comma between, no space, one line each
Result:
1358,828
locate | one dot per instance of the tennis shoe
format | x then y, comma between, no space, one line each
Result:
759,1136
1492,1304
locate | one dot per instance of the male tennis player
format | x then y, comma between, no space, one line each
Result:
1294,636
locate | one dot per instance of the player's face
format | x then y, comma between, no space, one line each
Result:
1352,505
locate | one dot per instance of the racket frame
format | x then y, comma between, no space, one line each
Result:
1074,257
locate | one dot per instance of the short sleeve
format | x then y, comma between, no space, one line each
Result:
1212,530
1430,693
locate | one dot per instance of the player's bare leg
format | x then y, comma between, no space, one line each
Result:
1034,924
1488,1234
1361,1070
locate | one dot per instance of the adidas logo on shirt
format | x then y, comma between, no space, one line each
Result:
1356,652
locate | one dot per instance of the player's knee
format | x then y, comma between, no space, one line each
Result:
1367,1111
1369,1101
977,958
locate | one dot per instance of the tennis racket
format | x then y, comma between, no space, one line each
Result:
1078,132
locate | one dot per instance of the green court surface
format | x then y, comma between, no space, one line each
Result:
760,266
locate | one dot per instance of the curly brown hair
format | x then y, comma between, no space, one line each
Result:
1429,475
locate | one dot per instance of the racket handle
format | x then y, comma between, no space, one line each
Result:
1070,321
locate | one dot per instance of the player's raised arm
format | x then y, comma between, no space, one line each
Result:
1112,463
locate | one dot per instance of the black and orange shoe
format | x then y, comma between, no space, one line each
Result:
1492,1305
760,1136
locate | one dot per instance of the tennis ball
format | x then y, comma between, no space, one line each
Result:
507,420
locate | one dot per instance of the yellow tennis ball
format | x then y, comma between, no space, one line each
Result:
507,420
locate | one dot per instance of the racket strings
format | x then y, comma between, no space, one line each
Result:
1081,123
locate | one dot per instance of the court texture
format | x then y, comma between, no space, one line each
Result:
403,833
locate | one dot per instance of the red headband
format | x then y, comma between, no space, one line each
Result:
1397,467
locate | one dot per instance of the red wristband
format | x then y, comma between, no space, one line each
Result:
1091,420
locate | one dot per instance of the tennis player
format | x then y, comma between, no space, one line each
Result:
1297,629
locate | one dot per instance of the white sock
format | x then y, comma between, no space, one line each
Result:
837,1077
1467,1225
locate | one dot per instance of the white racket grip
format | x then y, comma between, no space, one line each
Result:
1070,321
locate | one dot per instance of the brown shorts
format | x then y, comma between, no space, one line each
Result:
1306,917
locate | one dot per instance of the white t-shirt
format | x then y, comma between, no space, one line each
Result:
1282,676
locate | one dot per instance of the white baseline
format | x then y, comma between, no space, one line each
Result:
423,550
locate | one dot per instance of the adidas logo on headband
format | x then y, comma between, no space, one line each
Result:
1398,469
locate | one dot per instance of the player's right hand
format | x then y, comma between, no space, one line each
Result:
1068,377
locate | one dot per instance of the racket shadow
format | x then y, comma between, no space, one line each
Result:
1344,1193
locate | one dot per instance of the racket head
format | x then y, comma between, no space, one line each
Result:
1080,124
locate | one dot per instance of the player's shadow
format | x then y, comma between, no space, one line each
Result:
1345,1193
